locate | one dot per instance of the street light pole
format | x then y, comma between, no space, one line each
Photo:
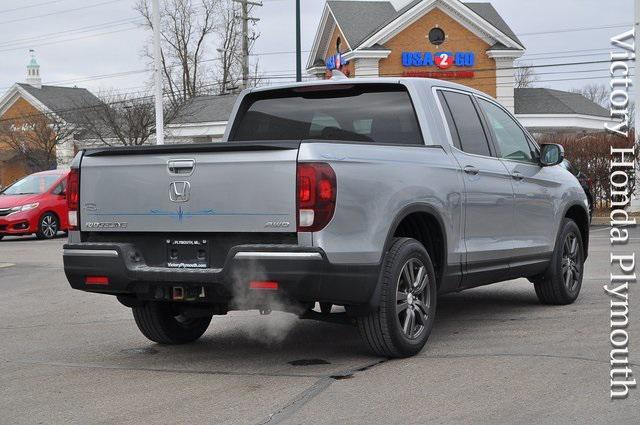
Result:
157,65
298,44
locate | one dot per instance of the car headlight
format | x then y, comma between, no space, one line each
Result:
22,208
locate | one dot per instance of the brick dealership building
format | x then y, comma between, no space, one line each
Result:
469,43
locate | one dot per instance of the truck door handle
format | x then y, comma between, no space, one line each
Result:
181,167
517,176
471,170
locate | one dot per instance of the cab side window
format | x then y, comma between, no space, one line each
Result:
464,123
60,188
511,140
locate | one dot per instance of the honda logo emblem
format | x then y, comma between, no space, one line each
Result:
179,191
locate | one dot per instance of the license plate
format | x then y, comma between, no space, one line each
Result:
187,254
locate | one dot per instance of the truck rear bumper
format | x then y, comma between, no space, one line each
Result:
302,274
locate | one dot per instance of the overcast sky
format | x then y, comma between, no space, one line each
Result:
77,40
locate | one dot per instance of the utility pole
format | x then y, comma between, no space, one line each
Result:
298,44
245,37
157,65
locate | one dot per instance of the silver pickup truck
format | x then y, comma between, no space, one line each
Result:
376,195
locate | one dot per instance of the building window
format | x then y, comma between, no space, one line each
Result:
436,36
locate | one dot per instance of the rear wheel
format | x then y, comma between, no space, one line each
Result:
48,226
161,323
562,281
403,322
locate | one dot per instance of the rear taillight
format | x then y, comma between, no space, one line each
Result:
73,197
316,195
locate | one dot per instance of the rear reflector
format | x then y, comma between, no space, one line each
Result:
73,220
263,285
96,280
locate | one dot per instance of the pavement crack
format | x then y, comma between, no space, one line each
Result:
316,388
160,370
550,356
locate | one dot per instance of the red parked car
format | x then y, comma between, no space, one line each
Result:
35,204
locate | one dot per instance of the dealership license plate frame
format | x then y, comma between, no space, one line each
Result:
187,254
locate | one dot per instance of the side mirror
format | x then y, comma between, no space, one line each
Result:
551,154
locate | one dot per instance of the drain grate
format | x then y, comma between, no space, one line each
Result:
308,362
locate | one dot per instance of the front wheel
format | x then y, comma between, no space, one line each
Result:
48,226
562,281
403,322
161,323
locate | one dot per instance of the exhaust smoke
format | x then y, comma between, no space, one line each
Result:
278,315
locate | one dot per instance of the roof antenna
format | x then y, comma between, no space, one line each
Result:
338,75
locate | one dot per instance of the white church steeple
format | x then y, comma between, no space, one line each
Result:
33,71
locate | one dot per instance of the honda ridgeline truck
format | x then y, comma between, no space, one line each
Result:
376,195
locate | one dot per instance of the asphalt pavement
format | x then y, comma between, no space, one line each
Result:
495,356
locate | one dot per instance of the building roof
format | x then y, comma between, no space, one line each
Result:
361,19
63,101
206,109
491,15
549,101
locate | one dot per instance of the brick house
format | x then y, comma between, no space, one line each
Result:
24,100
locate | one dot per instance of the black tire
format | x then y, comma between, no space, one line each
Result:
1,237
386,330
160,323
561,283
48,226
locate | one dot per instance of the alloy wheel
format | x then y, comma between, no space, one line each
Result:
413,299
49,226
571,264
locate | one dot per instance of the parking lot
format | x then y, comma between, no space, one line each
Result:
495,356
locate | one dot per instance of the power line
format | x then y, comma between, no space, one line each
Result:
575,29
59,12
30,6
80,30
69,39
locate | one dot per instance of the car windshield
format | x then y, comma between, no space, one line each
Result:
32,185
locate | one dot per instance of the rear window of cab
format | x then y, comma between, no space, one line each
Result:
374,113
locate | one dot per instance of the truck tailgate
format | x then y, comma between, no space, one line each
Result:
226,187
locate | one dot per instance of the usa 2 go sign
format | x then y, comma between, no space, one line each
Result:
442,60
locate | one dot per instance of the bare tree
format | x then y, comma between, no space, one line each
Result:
228,67
591,154
185,30
120,120
598,93
35,137
525,76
